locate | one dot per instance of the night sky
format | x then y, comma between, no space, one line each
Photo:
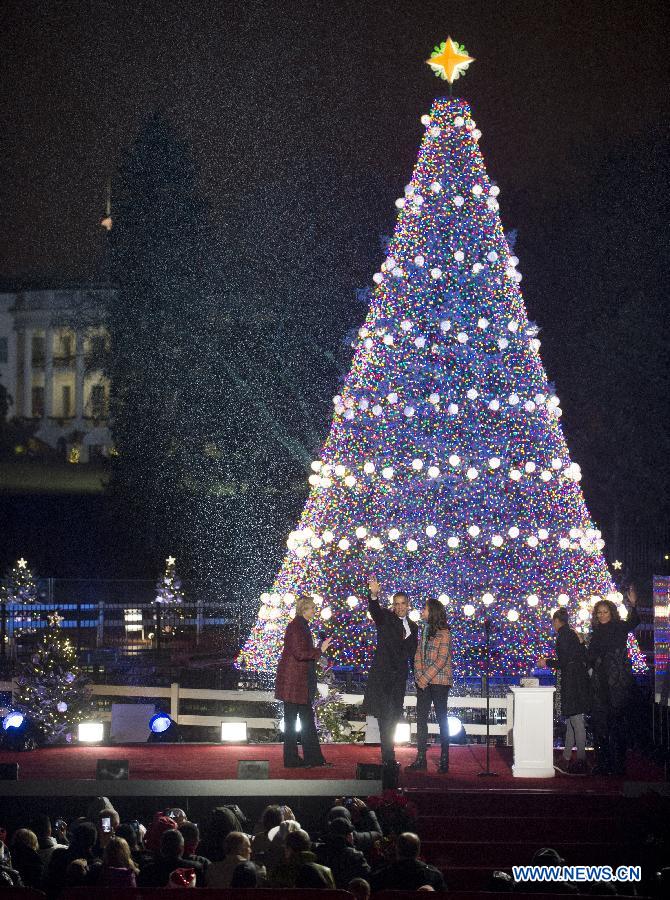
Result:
571,97
256,86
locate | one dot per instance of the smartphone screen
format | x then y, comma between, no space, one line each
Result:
106,824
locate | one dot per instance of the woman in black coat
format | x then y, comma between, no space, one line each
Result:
573,691
612,681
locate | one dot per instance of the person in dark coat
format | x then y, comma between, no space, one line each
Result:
611,682
573,694
408,872
387,679
339,854
295,686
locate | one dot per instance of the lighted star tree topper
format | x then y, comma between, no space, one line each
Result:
445,472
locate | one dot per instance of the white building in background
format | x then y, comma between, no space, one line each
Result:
52,345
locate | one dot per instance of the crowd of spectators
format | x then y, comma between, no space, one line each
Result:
98,849
346,849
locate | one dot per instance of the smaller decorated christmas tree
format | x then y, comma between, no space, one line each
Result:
169,587
20,584
53,692
170,596
20,587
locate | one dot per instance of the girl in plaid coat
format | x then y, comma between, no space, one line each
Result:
433,677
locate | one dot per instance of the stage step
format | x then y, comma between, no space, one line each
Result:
522,828
518,804
503,854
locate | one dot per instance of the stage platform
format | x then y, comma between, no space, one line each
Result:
210,770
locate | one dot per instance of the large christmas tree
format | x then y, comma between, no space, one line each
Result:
445,471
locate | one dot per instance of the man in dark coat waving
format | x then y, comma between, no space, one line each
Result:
387,679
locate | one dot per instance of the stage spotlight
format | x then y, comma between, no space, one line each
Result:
402,733
16,732
457,733
163,729
90,732
13,720
297,724
234,732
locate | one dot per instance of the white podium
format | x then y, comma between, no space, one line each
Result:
533,733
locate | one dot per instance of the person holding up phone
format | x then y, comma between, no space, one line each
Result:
295,686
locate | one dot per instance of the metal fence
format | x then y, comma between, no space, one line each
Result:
116,615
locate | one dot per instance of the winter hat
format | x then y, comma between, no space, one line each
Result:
340,827
160,824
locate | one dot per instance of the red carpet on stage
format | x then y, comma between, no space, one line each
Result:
217,761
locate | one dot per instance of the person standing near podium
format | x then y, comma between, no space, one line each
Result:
387,679
295,686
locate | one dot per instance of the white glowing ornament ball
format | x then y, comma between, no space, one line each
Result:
474,531
487,599
515,474
543,534
472,394
454,460
459,256
503,343
392,397
494,462
444,599
468,610
513,615
411,546
494,405
492,256
532,541
563,599
453,542
425,119
378,278
343,544
431,530
513,399
452,409
530,467
462,337
433,472
497,540
419,259
408,411
350,481
326,613
436,187
434,399
477,190
482,323
513,532
352,602
387,472
400,202
458,200
445,324
314,480
532,600
435,273
368,468
361,531
393,534
472,473
316,465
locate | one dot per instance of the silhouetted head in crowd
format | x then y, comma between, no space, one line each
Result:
221,822
128,833
191,834
117,855
237,844
24,838
41,825
408,846
178,815
297,841
272,816
172,844
360,888
84,836
341,829
94,807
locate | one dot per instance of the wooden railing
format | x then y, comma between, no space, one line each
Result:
175,693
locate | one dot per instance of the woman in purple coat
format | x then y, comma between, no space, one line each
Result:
295,686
